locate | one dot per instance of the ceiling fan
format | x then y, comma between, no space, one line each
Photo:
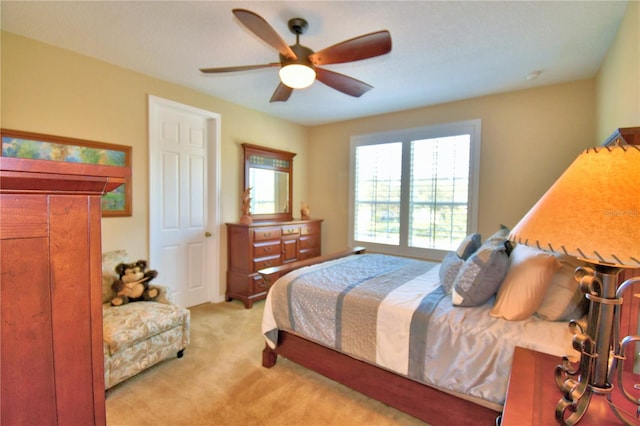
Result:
299,65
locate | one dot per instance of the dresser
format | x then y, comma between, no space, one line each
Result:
52,365
262,245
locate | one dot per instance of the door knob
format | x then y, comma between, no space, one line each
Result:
207,234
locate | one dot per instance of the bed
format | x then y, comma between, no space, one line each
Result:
386,327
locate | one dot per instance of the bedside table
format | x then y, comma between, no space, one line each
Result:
532,394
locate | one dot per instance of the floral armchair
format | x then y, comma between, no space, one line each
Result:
139,334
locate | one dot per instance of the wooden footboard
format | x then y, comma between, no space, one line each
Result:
421,401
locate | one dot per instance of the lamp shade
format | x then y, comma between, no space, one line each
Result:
297,76
592,211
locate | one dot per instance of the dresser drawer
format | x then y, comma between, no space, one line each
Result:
311,228
290,230
258,285
309,253
266,262
310,241
267,248
267,234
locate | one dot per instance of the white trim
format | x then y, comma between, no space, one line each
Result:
470,127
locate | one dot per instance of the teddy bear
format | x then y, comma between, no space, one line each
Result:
133,284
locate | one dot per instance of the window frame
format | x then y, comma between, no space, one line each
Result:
406,136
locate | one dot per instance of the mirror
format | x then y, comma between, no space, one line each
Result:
269,174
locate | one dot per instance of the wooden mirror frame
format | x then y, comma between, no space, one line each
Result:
277,161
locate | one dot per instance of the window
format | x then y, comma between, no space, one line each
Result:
414,191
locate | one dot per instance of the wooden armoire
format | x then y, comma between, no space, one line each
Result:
52,365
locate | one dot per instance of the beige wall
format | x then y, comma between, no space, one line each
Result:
54,91
528,139
618,82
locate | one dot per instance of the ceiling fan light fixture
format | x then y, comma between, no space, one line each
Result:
297,76
300,66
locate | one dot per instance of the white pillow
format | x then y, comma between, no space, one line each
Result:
564,300
525,284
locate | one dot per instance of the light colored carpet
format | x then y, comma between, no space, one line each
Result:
220,381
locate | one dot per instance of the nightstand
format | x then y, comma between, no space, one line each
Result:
532,394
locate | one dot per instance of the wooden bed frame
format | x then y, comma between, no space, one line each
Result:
414,398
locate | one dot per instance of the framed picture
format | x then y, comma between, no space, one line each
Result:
37,146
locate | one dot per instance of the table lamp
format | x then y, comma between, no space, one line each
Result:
592,212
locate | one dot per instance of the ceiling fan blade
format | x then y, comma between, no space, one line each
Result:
257,25
238,68
355,49
343,83
281,94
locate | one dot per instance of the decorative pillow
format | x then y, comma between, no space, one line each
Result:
469,246
501,236
564,300
109,261
480,275
449,270
525,284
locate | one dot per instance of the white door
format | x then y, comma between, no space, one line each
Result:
183,209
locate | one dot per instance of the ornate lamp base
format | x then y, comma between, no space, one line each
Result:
602,353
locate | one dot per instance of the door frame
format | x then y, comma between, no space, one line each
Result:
213,249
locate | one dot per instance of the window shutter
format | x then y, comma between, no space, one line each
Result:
377,194
439,192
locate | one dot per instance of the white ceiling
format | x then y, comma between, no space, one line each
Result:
442,51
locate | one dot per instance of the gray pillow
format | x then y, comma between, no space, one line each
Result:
469,246
481,275
500,234
449,270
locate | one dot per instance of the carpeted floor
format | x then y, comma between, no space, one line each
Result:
220,381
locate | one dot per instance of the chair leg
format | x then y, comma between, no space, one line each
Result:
180,353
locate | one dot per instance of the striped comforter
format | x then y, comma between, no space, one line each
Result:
392,312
